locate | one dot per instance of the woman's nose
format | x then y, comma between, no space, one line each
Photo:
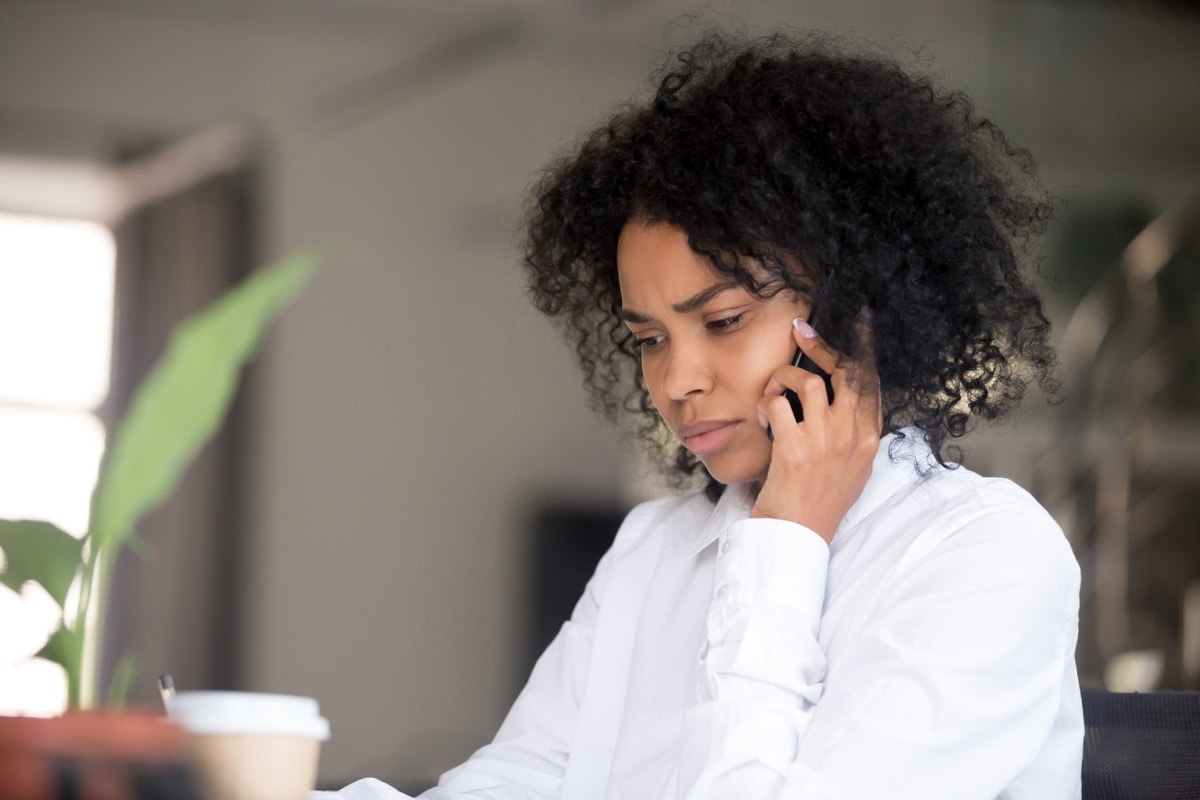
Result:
687,374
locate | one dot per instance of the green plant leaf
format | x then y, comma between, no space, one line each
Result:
123,676
182,402
63,648
42,552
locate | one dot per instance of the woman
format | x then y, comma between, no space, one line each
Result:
841,613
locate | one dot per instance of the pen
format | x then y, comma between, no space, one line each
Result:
166,687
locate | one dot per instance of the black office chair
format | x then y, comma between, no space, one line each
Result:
1141,746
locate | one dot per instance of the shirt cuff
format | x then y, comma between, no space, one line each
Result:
772,563
764,616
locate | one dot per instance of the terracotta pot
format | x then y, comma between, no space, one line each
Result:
93,756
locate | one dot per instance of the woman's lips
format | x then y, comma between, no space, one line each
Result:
707,437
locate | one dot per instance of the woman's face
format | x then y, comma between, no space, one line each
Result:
708,347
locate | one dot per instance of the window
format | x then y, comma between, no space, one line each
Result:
56,320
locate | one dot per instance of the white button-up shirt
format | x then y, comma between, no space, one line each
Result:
927,653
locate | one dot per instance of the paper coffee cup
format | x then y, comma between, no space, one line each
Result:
252,746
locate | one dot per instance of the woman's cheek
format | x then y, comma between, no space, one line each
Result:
650,377
757,364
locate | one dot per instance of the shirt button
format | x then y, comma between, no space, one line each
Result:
723,591
726,546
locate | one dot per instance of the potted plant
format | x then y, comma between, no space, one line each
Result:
173,413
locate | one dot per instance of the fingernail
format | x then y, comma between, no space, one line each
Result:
762,419
805,329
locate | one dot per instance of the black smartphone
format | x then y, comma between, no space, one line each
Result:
802,361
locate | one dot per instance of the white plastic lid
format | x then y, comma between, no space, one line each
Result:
249,713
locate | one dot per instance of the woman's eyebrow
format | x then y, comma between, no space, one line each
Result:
691,304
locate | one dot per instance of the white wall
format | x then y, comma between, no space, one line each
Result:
411,401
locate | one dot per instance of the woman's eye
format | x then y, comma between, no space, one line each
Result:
724,323
647,342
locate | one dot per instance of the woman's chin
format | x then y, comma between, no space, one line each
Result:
732,470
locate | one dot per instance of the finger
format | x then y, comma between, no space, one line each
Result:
776,412
809,341
774,383
856,377
853,382
800,380
870,390
785,377
865,328
864,356
810,388
809,393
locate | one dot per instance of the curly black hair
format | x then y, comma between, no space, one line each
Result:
800,154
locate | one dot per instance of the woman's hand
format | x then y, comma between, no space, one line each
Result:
820,466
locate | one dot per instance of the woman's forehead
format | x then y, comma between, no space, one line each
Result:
657,257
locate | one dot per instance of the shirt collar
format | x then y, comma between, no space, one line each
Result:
902,456
734,504
888,475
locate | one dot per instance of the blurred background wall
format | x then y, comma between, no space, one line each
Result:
411,412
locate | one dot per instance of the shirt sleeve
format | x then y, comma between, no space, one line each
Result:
947,690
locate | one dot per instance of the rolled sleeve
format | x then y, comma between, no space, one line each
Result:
948,688
761,667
